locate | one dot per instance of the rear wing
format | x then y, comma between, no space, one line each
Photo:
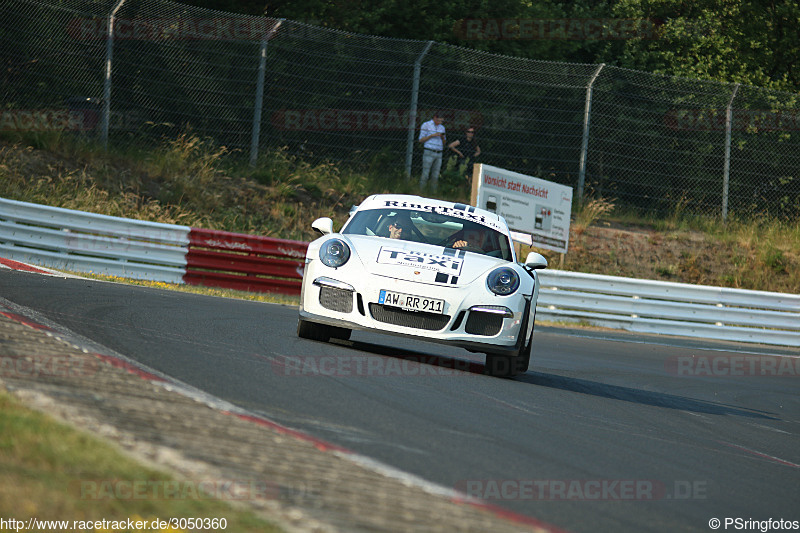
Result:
522,238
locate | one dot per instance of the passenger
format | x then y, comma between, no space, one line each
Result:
400,227
471,238
396,228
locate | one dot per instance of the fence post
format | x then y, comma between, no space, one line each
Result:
412,113
726,172
107,81
585,144
259,103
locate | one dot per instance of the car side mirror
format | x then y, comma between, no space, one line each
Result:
323,225
535,261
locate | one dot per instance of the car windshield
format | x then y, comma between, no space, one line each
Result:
430,228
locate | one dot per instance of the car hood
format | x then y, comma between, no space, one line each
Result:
422,263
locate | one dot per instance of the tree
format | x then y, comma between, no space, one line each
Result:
753,42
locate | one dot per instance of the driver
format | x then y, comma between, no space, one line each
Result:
472,238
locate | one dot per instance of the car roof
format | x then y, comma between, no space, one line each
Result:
407,201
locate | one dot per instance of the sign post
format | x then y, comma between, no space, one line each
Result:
534,207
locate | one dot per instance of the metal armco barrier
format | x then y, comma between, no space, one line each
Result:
86,242
244,262
647,306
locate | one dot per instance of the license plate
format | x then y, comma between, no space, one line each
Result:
410,302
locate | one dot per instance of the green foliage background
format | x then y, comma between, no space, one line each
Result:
657,141
753,42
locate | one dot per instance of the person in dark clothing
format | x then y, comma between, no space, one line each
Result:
467,149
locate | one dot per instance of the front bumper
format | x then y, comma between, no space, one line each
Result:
474,319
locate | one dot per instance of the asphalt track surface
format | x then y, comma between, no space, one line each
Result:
606,432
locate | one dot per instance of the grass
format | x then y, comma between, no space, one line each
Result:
766,251
280,299
52,472
588,212
192,181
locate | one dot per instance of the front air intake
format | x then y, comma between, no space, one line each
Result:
340,300
483,323
408,319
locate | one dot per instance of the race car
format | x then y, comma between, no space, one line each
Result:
426,269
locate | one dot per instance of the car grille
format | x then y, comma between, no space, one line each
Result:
409,319
486,324
336,299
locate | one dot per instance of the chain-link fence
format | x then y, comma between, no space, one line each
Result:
152,68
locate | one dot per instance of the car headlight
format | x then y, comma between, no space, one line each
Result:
334,253
503,281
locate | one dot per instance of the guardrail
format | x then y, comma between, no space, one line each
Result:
86,242
648,306
244,262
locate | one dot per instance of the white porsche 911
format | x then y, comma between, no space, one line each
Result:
428,269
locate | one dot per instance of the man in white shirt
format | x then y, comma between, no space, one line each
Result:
432,137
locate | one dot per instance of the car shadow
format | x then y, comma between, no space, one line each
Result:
440,361
570,384
638,396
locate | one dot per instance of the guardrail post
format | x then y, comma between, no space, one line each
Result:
585,144
259,103
726,172
105,119
412,112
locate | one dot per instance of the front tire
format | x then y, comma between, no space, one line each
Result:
524,357
508,366
501,366
311,331
321,332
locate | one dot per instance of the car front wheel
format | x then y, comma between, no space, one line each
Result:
523,360
320,332
501,366
508,366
